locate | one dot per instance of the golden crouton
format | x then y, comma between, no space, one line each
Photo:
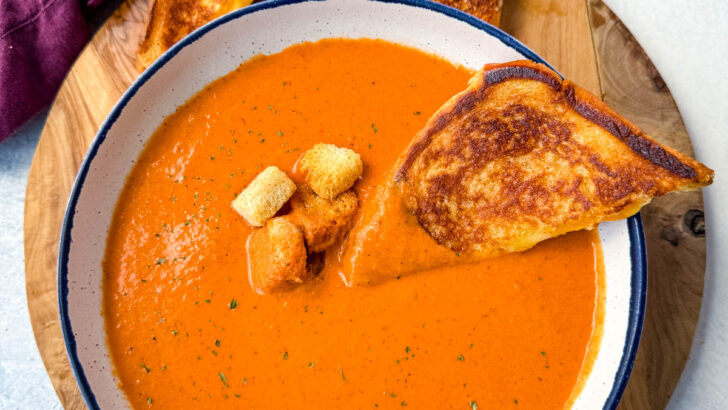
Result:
264,196
276,256
323,221
331,170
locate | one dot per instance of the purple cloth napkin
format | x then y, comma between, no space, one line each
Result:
39,40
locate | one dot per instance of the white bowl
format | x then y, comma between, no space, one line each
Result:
218,48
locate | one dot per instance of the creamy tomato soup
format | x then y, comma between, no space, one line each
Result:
185,329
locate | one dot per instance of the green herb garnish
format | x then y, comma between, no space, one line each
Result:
224,379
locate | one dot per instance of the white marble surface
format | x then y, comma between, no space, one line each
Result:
687,41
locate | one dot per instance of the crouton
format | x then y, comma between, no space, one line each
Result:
264,196
276,256
323,221
330,170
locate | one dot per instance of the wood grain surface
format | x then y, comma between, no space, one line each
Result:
583,40
674,224
98,78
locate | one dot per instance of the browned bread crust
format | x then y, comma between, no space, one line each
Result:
170,20
486,10
521,156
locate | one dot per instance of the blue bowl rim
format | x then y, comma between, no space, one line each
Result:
636,233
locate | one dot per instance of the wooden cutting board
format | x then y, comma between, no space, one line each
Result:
583,40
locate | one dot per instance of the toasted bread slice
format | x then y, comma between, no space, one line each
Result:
170,20
486,10
520,156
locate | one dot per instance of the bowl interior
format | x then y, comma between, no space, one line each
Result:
222,46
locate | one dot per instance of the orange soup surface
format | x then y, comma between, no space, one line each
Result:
185,329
